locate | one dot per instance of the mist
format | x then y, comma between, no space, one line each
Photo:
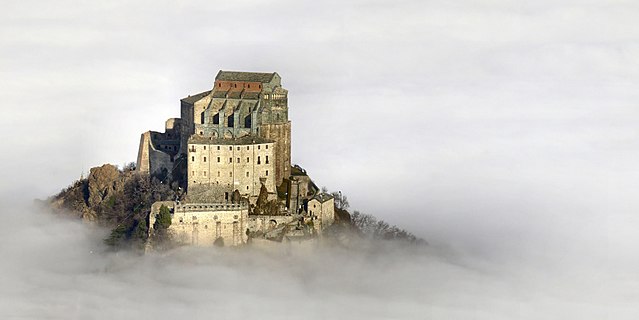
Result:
502,132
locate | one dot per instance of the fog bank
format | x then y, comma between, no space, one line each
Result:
54,267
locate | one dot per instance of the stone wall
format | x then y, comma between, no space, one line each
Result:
281,134
150,159
202,224
244,167
322,211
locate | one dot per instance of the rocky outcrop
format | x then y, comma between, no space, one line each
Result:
103,182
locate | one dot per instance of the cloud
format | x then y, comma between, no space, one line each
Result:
505,130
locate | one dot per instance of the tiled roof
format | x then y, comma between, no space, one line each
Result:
244,76
192,99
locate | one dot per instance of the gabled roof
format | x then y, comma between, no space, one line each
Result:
322,197
194,98
245,76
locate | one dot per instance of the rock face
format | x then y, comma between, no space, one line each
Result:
103,182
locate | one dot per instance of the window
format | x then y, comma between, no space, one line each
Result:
235,85
192,158
247,174
218,159
230,160
201,133
247,188
218,147
231,174
258,159
192,173
247,159
267,147
218,173
258,147
247,147
249,85
219,85
238,160
205,173
230,148
267,173
238,148
204,147
266,159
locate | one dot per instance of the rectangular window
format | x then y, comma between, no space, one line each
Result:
193,158
267,146
238,148
238,160
218,159
266,159
204,147
247,159
258,159
247,147
247,174
267,173
218,147
230,160
218,173
231,174
205,173
258,147
230,148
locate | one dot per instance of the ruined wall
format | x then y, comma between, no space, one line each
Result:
234,166
150,159
265,223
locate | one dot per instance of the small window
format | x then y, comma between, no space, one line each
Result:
238,148
218,173
266,159
247,174
218,159
230,148
247,147
249,85
247,159
258,159
219,85
205,173
231,174
258,147
247,187
267,173
235,85
218,147
201,133
267,146
238,160
204,147
230,160
192,158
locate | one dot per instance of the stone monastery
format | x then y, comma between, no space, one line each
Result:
231,151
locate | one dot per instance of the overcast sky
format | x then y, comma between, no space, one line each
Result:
504,129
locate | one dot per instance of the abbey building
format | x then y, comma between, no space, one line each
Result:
231,151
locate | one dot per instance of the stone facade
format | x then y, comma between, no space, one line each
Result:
243,164
203,224
321,210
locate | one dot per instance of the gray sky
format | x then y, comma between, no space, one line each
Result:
504,129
